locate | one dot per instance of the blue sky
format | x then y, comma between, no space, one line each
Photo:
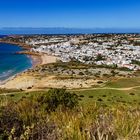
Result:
70,13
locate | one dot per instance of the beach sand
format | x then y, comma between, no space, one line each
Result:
42,58
24,80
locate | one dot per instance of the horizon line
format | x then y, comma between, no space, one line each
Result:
76,27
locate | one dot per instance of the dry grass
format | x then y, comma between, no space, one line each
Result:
29,120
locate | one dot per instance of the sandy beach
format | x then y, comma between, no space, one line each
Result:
42,59
37,60
21,80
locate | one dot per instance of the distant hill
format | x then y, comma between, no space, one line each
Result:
29,30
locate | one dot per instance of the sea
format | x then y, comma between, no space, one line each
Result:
21,31
11,63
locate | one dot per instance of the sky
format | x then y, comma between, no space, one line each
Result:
70,13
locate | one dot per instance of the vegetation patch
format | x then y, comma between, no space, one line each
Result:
58,115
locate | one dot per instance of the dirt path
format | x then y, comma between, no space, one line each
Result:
121,89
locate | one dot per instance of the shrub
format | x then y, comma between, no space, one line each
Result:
58,97
12,95
104,96
82,96
100,100
131,93
90,96
81,73
9,118
100,82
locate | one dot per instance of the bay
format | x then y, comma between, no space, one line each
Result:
11,63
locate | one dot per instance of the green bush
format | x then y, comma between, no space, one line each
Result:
56,98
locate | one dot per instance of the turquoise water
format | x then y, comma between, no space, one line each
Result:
11,63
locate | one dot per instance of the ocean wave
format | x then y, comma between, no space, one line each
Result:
6,74
11,64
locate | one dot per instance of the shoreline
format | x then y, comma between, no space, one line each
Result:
22,45
33,56
36,59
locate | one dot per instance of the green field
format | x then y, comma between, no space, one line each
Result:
111,93
101,96
124,83
110,97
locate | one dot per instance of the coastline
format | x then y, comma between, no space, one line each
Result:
36,59
23,45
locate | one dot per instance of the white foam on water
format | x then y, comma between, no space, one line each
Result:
6,73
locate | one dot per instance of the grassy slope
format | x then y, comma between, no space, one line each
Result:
104,96
114,96
124,121
124,83
108,96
